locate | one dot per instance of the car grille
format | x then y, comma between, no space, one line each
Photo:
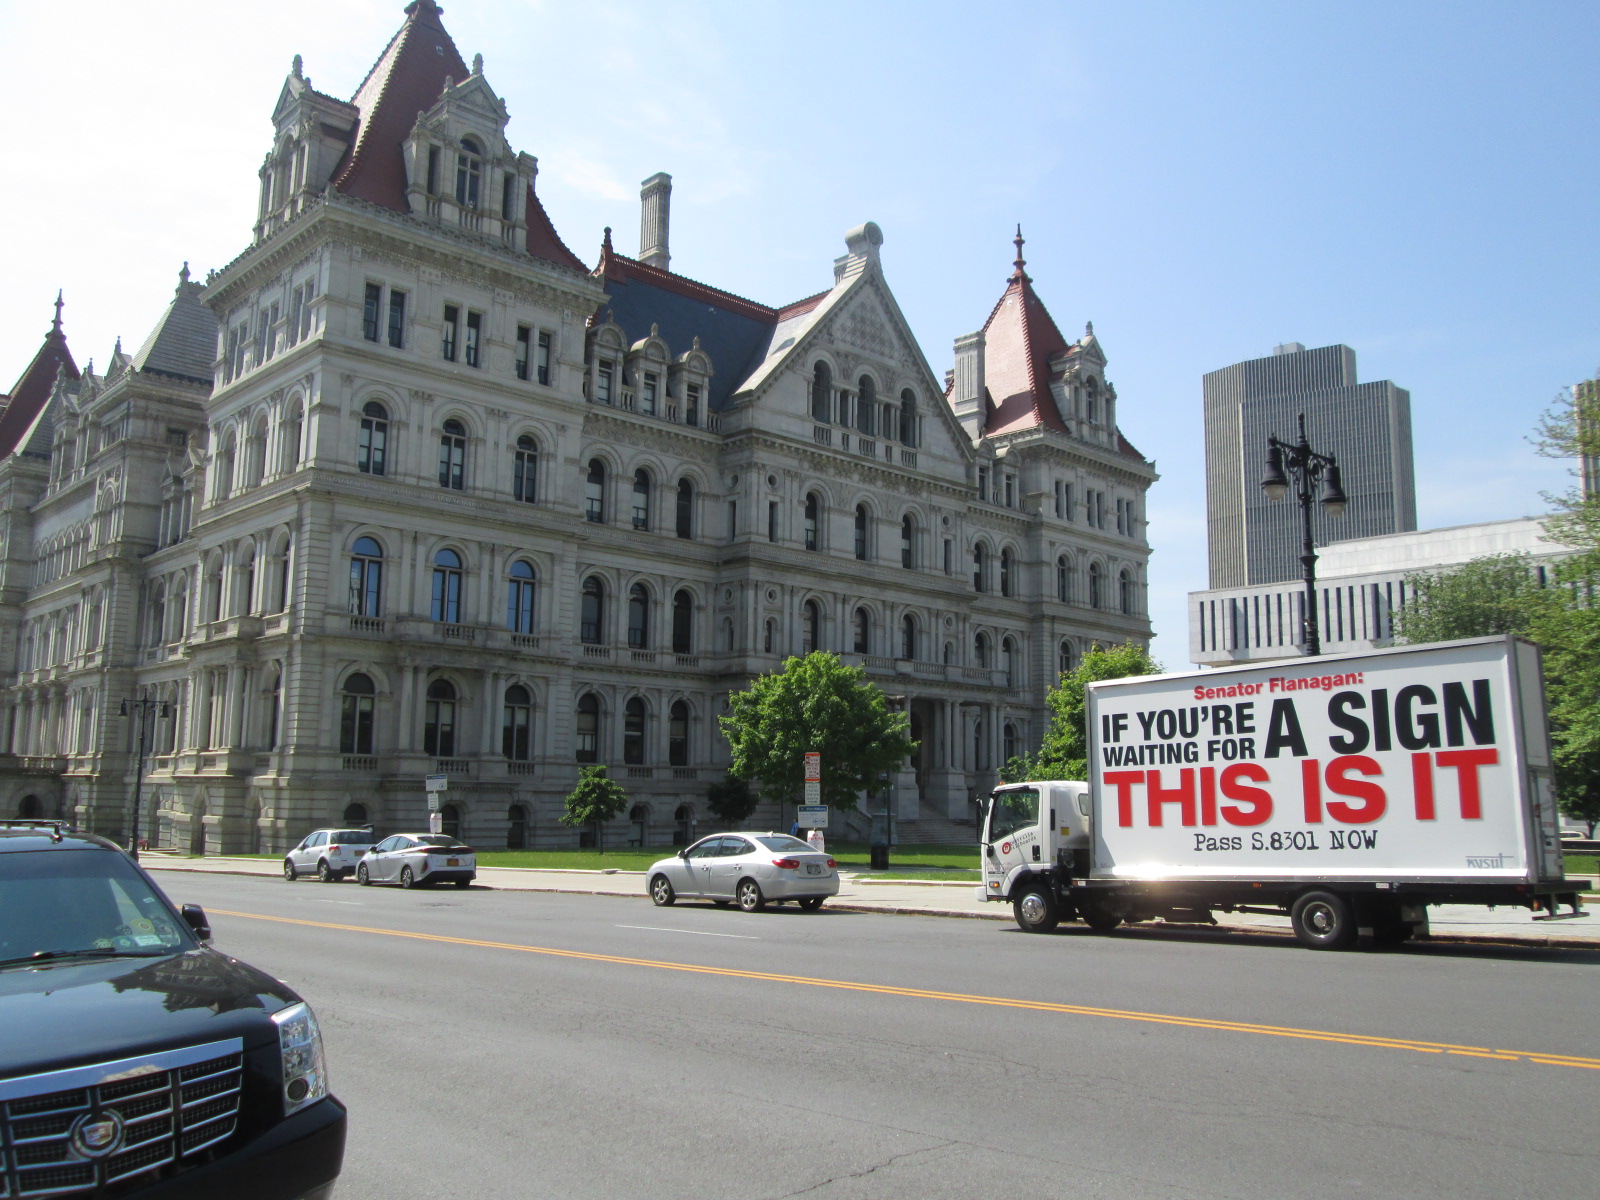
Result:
171,1105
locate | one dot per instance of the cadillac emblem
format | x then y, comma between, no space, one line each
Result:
96,1135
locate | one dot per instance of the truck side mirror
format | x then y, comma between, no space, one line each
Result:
989,849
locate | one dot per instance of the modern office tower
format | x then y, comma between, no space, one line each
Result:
1367,426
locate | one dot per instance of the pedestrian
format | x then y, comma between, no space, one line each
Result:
794,830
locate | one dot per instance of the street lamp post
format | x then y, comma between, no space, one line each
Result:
146,706
1306,468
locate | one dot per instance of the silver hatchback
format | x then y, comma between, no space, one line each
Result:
750,869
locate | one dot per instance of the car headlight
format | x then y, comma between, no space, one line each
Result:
305,1068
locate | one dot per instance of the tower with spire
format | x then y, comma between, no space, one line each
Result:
408,488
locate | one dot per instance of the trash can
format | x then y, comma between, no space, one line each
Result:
880,856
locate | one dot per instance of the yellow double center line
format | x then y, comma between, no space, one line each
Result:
1080,1010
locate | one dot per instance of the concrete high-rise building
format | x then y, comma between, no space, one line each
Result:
1367,426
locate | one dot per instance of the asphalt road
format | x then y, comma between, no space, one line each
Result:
530,1045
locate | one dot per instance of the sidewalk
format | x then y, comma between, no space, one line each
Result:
861,892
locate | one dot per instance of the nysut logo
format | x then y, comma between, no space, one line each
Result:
98,1134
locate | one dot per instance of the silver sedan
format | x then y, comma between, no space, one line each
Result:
751,869
419,860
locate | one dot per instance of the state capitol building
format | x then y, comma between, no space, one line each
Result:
409,488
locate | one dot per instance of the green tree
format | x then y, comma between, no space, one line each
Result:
597,799
1487,596
1064,753
815,703
1570,428
732,801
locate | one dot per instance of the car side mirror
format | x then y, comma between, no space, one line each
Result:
684,854
195,916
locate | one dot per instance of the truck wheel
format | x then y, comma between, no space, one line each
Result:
1323,921
1099,916
1036,910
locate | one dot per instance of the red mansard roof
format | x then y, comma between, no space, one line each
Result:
408,79
32,391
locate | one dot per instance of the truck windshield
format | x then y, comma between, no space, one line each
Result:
1010,811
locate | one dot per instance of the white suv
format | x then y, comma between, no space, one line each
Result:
330,854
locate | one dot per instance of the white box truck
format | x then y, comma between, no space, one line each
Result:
1348,792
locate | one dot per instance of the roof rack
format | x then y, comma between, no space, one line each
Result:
56,825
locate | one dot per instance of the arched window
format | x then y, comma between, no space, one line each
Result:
469,173
519,596
683,622
447,587
810,627
861,532
908,541
685,509
224,481
769,631
594,491
949,653
641,499
908,418
908,637
373,443
866,405
453,455
293,429
517,827
450,821
244,583
516,724
1125,592
1064,658
633,723
354,814
813,520
592,617
1008,741
355,715
678,734
439,720
255,461
822,392
588,728
1008,661
158,623
1005,571
1063,580
1094,585
863,631
274,708
367,578
979,566
213,592
639,617
980,650
525,471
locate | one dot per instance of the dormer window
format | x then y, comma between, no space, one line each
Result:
433,170
469,173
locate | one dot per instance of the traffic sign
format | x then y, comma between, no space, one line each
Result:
813,766
813,792
812,816
436,783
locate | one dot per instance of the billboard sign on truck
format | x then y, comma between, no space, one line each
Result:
1427,762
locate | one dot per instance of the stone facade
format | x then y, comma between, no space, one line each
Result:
407,489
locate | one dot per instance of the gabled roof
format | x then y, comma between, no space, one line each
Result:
184,341
732,330
406,80
32,392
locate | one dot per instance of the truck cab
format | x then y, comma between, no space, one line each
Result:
1034,829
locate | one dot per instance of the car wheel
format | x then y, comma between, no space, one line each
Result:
1036,910
812,903
661,891
463,883
361,875
289,872
325,873
750,897
407,879
1323,921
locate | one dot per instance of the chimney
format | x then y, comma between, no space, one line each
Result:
655,202
966,398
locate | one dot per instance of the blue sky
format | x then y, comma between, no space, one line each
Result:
1203,181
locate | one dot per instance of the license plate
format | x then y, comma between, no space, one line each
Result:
452,862
813,869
